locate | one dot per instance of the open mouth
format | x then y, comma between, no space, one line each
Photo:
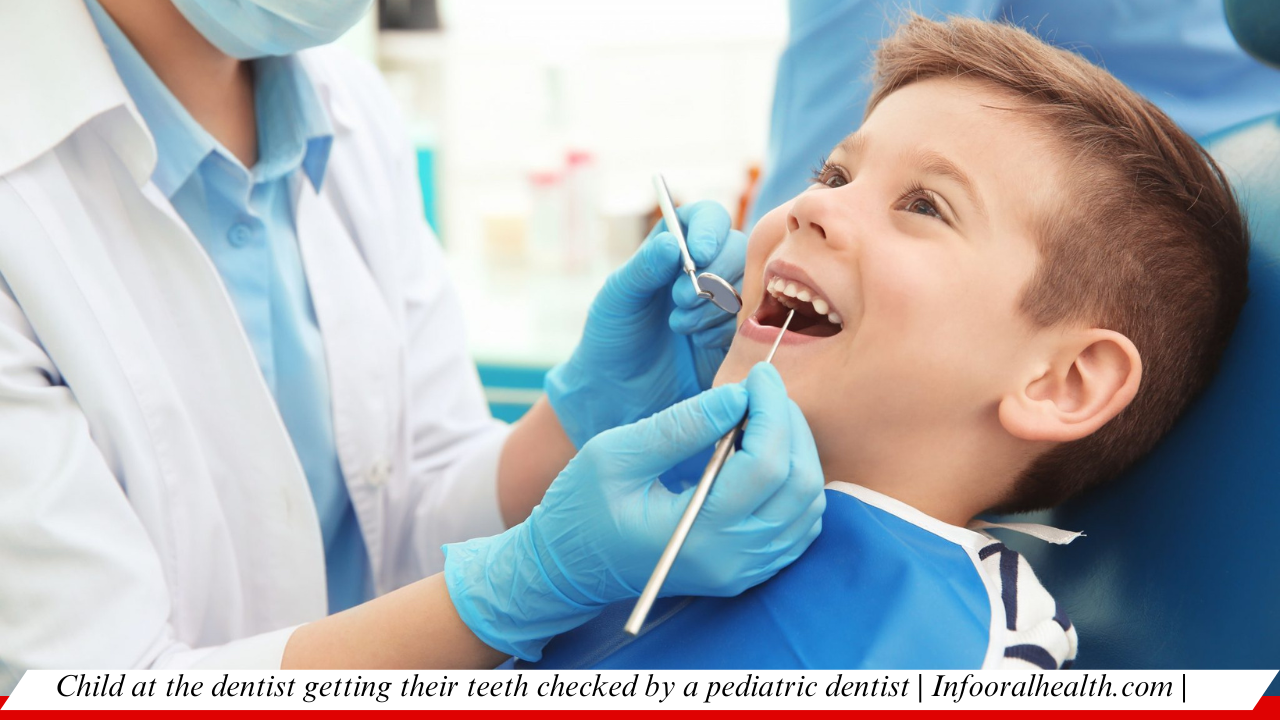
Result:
814,315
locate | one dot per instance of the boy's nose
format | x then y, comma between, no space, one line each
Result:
794,222
819,214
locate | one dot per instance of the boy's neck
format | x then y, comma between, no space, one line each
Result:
953,479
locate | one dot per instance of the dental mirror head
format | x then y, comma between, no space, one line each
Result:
708,285
719,292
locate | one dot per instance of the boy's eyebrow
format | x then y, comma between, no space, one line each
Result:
936,164
928,161
853,144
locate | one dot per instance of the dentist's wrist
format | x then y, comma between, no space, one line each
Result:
574,398
512,594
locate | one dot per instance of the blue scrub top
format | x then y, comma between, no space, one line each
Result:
244,219
1180,55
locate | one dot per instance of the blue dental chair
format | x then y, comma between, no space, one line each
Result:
1181,566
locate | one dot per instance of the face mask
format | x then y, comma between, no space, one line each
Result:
248,29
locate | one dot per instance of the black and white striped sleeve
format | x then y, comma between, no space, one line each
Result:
1039,635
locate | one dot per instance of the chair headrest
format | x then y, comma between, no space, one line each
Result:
1178,566
1256,26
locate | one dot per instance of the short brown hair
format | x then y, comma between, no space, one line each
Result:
1149,241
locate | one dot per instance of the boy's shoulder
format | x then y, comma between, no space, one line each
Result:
883,587
1027,626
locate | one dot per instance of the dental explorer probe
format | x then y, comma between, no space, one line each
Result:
708,285
723,449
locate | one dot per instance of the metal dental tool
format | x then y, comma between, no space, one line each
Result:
707,285
723,449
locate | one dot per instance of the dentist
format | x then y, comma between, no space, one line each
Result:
237,418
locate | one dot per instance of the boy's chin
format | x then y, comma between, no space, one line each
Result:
732,370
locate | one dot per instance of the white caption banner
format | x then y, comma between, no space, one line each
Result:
615,689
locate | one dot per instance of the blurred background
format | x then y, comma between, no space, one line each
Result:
538,126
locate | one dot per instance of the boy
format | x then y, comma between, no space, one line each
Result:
1007,284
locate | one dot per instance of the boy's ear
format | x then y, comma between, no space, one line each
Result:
1089,380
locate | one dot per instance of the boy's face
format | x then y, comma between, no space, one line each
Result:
918,235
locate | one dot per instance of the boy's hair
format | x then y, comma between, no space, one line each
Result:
1146,240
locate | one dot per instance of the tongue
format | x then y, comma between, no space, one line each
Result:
812,325
806,322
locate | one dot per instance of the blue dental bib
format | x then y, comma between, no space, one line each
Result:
874,591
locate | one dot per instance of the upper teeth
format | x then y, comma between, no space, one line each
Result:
784,290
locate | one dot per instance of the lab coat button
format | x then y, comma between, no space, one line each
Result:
240,235
378,473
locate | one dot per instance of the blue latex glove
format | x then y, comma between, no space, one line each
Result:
649,341
605,520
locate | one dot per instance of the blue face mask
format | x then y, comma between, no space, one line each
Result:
256,28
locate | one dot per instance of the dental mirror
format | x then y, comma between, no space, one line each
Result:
715,289
707,285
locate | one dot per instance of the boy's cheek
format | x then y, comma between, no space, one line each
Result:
902,287
767,235
733,369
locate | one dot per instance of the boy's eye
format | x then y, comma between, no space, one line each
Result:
920,201
921,206
833,176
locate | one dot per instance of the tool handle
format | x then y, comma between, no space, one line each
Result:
724,448
673,225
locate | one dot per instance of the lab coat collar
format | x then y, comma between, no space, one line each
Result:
181,143
55,77
335,103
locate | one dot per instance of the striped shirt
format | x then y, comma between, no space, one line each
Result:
1038,633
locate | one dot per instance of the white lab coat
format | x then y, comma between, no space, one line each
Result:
153,512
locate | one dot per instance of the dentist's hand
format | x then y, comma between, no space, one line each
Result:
604,522
649,341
